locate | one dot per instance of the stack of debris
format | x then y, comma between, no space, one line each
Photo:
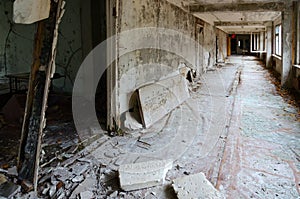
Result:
8,188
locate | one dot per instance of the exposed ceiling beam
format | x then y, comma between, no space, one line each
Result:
239,23
239,7
236,30
240,33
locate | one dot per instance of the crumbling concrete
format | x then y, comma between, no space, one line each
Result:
143,175
195,186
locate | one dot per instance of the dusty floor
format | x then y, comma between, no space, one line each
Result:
235,128
261,158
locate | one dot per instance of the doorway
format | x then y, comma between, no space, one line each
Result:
98,23
240,44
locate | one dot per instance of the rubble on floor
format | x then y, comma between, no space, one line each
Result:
112,167
143,175
7,188
195,186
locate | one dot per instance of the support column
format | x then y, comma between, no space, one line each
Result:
286,76
297,38
269,44
261,45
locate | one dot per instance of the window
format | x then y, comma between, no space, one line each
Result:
278,40
258,42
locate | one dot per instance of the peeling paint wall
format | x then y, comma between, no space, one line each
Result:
277,61
222,45
159,13
69,53
17,40
277,64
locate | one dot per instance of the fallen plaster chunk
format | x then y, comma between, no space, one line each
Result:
114,194
78,179
86,194
143,175
195,186
88,184
2,179
52,190
131,123
12,171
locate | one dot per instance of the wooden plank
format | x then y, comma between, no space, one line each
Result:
43,68
30,94
159,99
49,74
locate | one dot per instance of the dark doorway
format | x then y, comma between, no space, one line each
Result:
233,46
99,34
94,31
240,44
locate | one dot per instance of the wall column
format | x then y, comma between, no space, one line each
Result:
269,45
261,45
286,77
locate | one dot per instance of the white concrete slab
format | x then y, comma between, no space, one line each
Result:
143,175
195,186
30,11
159,99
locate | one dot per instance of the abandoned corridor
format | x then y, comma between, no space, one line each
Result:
245,140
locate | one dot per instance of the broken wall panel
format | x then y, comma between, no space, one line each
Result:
159,99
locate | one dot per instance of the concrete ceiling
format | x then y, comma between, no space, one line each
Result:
235,16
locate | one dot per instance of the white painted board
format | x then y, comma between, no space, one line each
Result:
158,99
30,11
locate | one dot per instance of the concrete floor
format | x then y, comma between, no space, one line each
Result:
235,128
261,158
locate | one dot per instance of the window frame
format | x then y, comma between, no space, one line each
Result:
257,45
278,40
